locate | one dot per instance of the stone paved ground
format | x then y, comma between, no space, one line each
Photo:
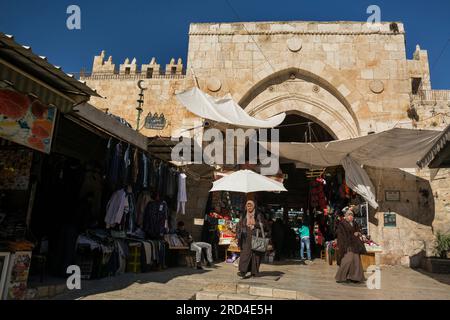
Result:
316,280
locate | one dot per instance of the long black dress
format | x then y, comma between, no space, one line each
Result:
249,260
349,250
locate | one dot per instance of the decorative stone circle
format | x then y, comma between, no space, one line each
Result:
376,86
315,88
294,44
214,84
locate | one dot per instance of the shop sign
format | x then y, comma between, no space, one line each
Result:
390,219
26,121
392,195
199,222
155,122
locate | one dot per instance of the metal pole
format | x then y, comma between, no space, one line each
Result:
139,108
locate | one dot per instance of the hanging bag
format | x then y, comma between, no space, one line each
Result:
260,244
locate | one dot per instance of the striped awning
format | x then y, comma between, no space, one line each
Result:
439,154
28,86
29,73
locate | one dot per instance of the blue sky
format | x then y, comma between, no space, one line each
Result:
144,29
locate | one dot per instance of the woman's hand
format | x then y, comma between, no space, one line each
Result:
357,234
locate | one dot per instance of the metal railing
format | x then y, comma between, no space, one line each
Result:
433,95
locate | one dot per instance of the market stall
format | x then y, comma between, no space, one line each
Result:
242,184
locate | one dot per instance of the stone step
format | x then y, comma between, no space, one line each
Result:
214,295
214,291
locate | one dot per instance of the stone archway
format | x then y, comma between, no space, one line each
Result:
298,91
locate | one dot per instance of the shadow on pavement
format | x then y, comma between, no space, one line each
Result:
109,284
441,277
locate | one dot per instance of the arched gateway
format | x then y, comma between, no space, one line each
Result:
300,92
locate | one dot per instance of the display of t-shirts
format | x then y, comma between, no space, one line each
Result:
115,208
182,196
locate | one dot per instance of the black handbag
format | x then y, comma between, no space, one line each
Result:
260,244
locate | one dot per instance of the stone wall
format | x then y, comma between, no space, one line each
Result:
346,76
365,69
415,213
198,192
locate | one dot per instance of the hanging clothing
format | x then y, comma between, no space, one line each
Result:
172,183
148,251
130,218
115,208
115,165
162,180
127,165
155,219
182,195
145,171
153,174
135,167
108,156
142,202
317,194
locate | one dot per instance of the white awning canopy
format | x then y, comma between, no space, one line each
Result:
224,110
395,148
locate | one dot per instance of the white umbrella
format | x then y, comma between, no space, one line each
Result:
247,181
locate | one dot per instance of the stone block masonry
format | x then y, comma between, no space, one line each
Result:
347,77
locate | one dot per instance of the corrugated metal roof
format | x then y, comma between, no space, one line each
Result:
38,66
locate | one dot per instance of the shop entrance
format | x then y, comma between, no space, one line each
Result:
315,197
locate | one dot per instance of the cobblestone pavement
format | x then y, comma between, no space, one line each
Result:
316,280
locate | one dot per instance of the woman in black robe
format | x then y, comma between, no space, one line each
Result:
349,249
250,222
